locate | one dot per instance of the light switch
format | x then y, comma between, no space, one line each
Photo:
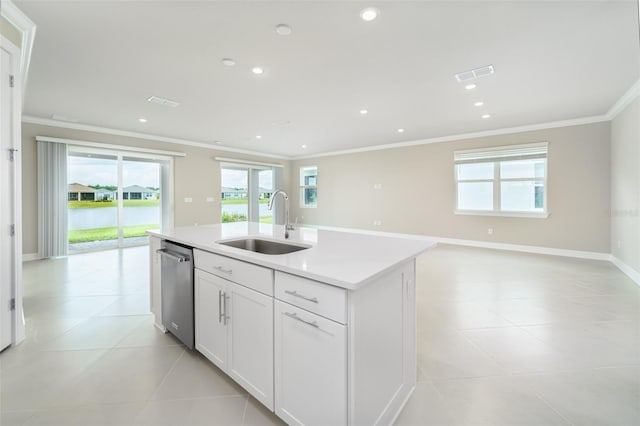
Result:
210,199
188,200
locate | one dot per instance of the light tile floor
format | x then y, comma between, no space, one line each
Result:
503,339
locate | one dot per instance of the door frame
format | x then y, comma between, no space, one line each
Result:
15,143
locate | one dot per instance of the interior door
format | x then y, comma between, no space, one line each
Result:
7,186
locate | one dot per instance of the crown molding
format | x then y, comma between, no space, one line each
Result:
90,128
624,101
462,136
27,29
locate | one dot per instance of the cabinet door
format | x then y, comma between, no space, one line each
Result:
251,342
310,368
209,311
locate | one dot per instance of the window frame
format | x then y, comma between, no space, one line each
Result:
304,187
497,155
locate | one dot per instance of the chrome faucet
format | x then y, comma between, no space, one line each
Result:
287,226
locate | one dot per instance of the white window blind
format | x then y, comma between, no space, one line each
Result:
514,152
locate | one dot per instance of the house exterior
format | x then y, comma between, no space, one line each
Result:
239,193
79,192
137,192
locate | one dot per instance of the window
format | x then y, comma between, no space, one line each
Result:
508,180
309,186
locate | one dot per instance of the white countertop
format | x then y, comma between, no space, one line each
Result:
341,258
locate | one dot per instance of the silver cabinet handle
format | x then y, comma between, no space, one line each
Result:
225,297
297,318
220,312
296,294
223,270
177,257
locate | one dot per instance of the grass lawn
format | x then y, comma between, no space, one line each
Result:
111,233
112,203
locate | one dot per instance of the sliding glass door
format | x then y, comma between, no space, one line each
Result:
114,198
245,192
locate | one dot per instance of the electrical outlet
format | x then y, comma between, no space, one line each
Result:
188,200
377,186
210,199
490,231
377,222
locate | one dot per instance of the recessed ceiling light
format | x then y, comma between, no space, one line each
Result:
470,86
304,147
486,115
400,130
142,120
258,136
369,14
364,111
283,29
257,70
228,62
478,104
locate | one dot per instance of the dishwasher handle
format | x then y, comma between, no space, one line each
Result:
176,256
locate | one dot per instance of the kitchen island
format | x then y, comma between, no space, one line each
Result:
323,335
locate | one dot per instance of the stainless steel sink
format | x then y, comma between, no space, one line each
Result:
264,246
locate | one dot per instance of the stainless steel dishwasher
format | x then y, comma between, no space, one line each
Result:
177,291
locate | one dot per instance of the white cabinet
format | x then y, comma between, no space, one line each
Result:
310,368
313,353
234,330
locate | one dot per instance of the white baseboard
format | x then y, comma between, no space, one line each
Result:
593,255
631,273
28,257
481,244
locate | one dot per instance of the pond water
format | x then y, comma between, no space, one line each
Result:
105,217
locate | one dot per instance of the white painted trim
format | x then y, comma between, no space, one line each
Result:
18,326
105,130
251,163
628,270
127,148
480,244
27,29
542,215
624,101
462,136
29,257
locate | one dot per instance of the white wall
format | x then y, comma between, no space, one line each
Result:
418,191
625,186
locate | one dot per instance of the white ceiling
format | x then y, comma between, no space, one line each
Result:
98,62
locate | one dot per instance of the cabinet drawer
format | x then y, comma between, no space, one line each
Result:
249,275
314,296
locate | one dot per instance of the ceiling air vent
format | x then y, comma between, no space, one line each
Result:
163,101
473,74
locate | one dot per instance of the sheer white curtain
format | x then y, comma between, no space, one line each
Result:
52,199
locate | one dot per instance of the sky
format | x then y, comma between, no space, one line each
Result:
232,178
98,171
